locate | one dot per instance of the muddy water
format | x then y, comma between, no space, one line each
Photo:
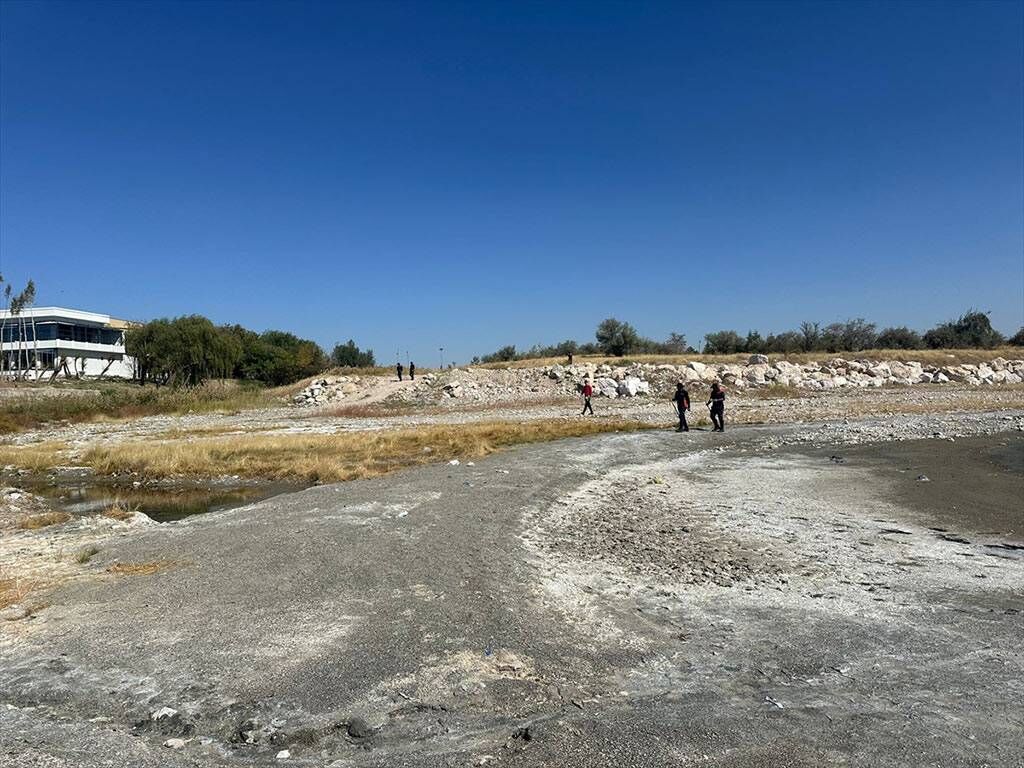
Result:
163,504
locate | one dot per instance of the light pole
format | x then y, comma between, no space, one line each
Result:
442,358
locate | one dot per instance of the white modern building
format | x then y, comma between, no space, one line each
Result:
51,342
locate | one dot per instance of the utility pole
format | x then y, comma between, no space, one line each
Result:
442,358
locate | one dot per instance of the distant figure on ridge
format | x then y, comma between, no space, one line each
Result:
570,358
399,368
682,400
412,371
717,402
588,392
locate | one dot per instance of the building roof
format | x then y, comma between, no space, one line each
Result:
70,315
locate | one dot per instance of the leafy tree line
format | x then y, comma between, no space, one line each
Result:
972,330
616,338
613,337
186,351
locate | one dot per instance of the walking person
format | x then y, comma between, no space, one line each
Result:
717,402
399,368
588,392
682,402
412,371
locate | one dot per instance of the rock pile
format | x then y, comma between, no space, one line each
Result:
327,390
632,380
645,378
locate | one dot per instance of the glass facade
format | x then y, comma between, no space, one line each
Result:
13,331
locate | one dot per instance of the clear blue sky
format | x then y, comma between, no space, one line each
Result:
474,174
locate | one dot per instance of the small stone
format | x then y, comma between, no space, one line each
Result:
176,743
284,754
164,713
358,728
15,612
923,479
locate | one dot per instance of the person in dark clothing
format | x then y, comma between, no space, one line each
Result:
717,402
588,392
412,371
399,368
682,400
570,358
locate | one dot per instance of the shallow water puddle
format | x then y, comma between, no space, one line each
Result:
162,504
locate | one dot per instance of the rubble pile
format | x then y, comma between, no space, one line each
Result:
632,380
638,379
329,389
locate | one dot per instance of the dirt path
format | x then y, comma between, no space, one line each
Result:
639,600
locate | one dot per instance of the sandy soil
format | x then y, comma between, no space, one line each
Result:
771,596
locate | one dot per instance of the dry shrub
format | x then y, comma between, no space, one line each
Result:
43,520
332,458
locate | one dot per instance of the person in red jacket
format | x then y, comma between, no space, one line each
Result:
588,392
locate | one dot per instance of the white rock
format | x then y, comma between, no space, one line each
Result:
757,360
606,387
629,387
176,743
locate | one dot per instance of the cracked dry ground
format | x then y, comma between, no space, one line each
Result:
626,600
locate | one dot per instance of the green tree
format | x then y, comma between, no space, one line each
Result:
723,343
348,355
899,338
503,355
971,330
810,334
616,338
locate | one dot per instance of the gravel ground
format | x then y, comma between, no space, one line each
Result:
784,596
759,407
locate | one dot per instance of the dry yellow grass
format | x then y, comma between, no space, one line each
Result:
331,458
923,356
43,520
37,457
385,409
178,433
14,591
119,510
140,569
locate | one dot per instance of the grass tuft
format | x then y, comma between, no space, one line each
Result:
119,510
86,554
